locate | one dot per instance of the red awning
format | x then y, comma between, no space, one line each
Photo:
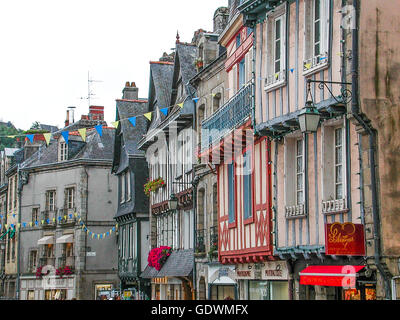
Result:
330,276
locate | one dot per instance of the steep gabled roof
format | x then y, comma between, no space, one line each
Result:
95,148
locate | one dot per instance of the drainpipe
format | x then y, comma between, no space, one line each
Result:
355,109
19,233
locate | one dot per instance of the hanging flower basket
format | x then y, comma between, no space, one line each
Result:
153,185
158,256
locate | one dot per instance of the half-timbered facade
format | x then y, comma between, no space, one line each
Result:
300,56
243,167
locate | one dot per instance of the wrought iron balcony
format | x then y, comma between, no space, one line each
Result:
296,211
66,216
49,217
228,117
213,242
200,243
64,261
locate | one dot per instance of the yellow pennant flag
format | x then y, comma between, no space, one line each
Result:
180,105
308,65
75,214
6,225
10,136
65,217
115,124
82,132
148,115
47,137
213,94
30,224
92,235
42,221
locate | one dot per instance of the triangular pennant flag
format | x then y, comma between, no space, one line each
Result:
99,129
308,65
115,124
133,121
291,70
82,132
47,137
148,115
65,135
108,233
42,221
6,225
213,94
30,224
164,110
196,99
30,137
24,224
180,105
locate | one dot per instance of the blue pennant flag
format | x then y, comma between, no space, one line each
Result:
133,121
36,222
59,218
48,221
164,110
99,129
65,135
291,70
196,99
113,229
107,233
24,224
101,236
90,232
14,215
70,216
12,226
30,137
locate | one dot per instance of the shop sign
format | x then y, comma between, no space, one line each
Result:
344,239
275,270
271,270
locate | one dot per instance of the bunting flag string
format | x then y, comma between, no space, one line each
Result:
82,133
13,227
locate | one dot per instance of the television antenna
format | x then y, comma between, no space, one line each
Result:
90,92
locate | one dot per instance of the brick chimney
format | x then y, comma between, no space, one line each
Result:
130,92
96,113
67,119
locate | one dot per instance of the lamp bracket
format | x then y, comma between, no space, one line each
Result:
345,94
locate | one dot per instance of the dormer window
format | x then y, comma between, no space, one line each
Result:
63,151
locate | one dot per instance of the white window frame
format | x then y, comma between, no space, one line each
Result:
70,198
275,79
51,201
337,164
122,193
63,151
319,61
302,172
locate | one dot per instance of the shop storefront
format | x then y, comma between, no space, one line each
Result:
344,276
263,281
222,283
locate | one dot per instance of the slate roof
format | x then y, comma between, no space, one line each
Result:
95,148
178,264
160,89
48,128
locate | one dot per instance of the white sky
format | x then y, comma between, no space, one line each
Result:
47,48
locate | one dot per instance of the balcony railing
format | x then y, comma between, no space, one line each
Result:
66,216
213,242
49,217
64,261
200,243
229,116
295,211
47,261
334,206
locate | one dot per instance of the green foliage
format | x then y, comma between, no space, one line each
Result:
8,142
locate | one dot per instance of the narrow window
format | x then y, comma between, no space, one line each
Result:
35,215
50,200
299,173
122,182
339,163
317,27
63,151
242,73
231,192
70,198
247,184
278,45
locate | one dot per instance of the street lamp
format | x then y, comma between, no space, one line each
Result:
309,118
173,202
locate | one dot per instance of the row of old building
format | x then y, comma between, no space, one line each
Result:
267,161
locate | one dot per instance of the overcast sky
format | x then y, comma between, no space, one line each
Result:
47,48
